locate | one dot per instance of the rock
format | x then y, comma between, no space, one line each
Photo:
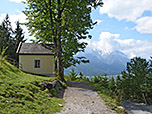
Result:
60,105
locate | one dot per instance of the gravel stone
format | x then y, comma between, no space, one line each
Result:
81,99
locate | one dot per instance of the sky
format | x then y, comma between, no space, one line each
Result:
123,25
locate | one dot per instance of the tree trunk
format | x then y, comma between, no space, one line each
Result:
59,48
60,67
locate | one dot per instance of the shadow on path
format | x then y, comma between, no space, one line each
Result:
79,85
60,94
137,108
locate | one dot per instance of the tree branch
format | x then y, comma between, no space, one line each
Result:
52,24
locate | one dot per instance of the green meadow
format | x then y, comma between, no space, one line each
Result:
22,93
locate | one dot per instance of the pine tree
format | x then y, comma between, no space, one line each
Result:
111,84
10,38
19,37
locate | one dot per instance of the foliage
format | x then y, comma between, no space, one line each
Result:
22,93
111,84
136,82
72,76
3,56
81,75
95,79
10,38
63,22
19,37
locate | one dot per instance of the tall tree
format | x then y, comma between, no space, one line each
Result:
135,78
10,38
63,22
5,34
19,37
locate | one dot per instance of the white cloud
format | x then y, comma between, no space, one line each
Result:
17,1
125,9
107,42
14,18
144,25
2,16
111,42
17,17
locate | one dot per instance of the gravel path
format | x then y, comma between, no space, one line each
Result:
137,108
81,99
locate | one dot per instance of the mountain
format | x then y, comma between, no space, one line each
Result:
110,63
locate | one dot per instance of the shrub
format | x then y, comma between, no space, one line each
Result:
72,76
111,84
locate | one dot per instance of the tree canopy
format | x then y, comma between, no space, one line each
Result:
137,80
63,22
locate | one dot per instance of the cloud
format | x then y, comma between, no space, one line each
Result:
2,16
17,17
109,42
14,18
17,1
144,25
128,9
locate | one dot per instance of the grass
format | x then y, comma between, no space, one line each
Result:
21,93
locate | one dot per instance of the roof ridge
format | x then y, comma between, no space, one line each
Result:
35,49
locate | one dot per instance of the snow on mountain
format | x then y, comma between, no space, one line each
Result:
108,63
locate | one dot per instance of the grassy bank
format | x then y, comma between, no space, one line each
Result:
21,93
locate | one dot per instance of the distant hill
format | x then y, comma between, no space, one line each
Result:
110,63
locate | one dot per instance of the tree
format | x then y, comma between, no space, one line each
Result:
63,22
72,76
5,33
10,38
135,78
111,84
81,75
19,37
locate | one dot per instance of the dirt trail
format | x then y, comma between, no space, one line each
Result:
81,99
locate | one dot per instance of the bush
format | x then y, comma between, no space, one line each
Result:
72,76
95,79
111,84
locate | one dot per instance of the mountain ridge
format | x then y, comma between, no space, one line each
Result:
110,63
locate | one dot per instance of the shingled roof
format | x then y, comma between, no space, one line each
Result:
35,49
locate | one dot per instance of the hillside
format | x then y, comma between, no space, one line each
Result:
20,93
111,63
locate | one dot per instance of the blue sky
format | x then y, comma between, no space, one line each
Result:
124,26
